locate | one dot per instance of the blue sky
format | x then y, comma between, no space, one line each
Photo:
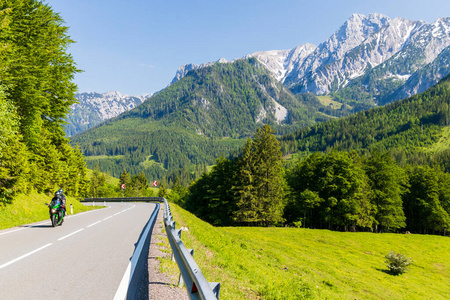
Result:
136,46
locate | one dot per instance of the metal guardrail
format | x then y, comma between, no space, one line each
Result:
196,284
190,274
123,199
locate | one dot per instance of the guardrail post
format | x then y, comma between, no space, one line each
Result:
180,279
215,286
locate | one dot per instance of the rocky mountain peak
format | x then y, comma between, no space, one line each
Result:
94,108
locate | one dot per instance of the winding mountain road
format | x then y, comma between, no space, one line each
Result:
85,258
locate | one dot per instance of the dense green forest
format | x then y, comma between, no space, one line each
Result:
185,127
409,128
36,92
335,190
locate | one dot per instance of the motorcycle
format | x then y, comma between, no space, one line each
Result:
56,212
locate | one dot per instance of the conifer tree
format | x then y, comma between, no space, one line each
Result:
268,176
125,179
139,184
260,183
244,189
36,82
162,191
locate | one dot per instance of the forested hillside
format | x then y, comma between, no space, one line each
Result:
414,129
210,112
336,190
385,169
36,91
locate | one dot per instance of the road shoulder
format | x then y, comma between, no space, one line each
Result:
162,285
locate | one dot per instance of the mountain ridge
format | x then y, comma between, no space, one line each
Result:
93,108
373,47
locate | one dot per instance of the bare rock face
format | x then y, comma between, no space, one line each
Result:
94,108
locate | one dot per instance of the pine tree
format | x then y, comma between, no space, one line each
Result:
125,179
260,184
139,184
269,176
162,191
244,189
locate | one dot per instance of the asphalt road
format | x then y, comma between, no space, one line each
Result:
85,258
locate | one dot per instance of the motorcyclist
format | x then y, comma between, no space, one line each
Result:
59,194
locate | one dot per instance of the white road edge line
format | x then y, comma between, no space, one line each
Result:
107,218
60,239
25,255
93,224
123,287
11,231
121,292
86,212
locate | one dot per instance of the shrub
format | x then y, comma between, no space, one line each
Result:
397,263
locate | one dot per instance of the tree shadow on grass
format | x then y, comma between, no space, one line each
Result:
389,272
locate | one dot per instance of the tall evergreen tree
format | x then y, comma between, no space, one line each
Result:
39,75
139,184
244,188
36,79
269,176
260,184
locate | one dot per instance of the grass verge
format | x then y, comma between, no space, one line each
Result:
291,263
30,208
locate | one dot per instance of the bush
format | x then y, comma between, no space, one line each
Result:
397,263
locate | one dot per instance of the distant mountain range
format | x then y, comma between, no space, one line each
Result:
209,110
369,58
94,108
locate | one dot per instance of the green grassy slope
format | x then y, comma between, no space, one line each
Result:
288,263
30,208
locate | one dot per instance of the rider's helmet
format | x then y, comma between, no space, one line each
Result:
57,193
60,191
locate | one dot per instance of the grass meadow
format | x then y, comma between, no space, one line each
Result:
297,263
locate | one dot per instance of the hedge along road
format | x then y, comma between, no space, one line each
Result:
85,258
